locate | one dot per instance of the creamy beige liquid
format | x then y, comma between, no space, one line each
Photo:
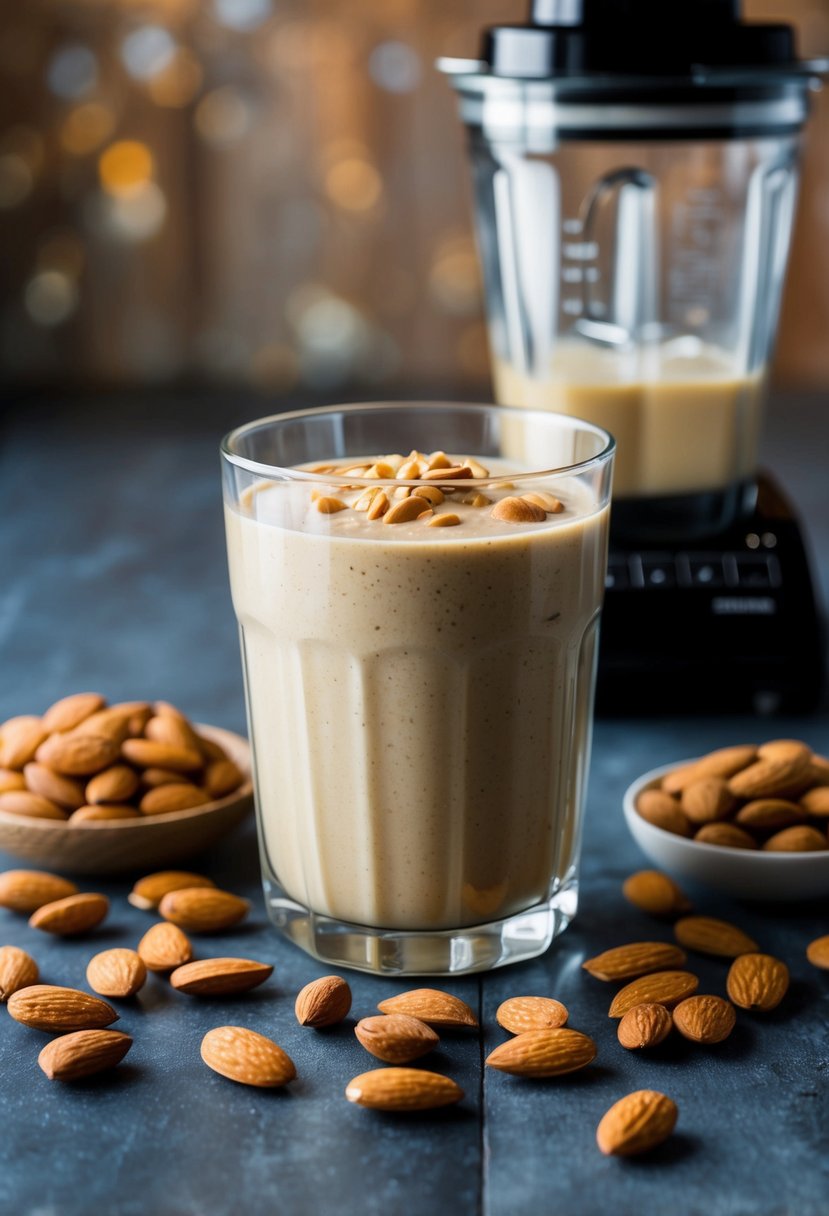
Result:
420,701
682,425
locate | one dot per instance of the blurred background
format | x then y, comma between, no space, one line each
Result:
273,194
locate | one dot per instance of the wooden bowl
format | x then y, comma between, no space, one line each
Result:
118,845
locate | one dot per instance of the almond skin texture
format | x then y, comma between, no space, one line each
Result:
817,952
149,891
726,761
145,753
432,1006
77,755
70,711
705,1019
707,800
816,801
247,1057
10,779
17,970
83,1053
666,988
19,741
55,1009
395,1037
637,958
28,890
102,812
220,976
644,1026
323,1002
74,914
522,1013
655,893
543,1053
636,1123
118,973
799,839
707,935
402,1089
222,778
174,796
174,731
663,811
518,511
64,791
757,982
203,909
769,814
115,784
779,765
726,835
24,802
165,947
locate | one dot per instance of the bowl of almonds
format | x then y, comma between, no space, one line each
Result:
750,820
94,788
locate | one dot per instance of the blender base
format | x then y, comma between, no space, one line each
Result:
720,623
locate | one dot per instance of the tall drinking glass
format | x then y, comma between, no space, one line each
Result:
419,630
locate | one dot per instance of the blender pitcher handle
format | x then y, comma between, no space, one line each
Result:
631,303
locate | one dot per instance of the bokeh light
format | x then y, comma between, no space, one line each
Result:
241,14
72,71
179,82
61,250
223,116
275,367
147,51
138,216
454,277
86,127
354,184
125,167
395,67
27,144
16,180
50,297
473,350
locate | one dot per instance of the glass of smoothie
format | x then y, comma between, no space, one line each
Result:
418,590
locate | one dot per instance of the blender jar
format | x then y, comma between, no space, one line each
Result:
635,174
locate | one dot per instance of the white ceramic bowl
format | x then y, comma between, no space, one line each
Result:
745,873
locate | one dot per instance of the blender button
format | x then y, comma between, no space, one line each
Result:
706,572
658,572
617,575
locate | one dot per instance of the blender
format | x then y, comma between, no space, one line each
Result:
635,173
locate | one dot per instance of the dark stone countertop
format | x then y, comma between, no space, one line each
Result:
114,578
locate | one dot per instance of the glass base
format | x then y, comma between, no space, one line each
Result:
425,952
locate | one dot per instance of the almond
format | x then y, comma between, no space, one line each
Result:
10,779
151,777
149,891
115,784
51,1008
432,494
543,1053
655,893
73,914
663,811
45,781
666,988
165,799
644,1026
203,909
676,781
455,472
430,1005
799,839
222,778
173,730
447,519
20,739
69,712
395,1037
220,976
726,835
817,952
816,801
779,764
636,1123
402,1089
378,506
323,1002
210,750
548,502
113,723
145,753
707,935
757,981
707,800
164,947
726,761
705,1019
521,1013
247,1057
77,755
769,814
83,1053
102,812
23,802
514,510
327,504
404,511
17,970
28,890
118,973
637,958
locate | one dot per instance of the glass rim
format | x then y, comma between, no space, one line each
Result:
289,472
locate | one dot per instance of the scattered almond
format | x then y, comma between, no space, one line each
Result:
817,952
149,891
521,1013
454,473
55,1009
432,1006
405,510
707,935
666,988
514,510
220,976
395,1037
117,972
83,1053
73,914
328,505
17,970
705,1019
432,494
203,909
548,502
247,1057
28,890
798,839
165,947
323,1002
636,1123
447,519
543,1053
645,1025
757,981
655,893
400,1089
637,958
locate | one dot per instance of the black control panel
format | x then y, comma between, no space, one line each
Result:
720,625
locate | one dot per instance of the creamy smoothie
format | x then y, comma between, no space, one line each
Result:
683,424
420,692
